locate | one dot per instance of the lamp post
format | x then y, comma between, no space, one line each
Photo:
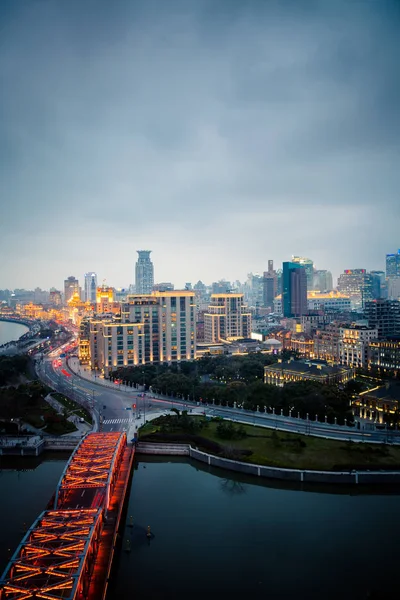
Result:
144,400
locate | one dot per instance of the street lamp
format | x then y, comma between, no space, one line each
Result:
144,400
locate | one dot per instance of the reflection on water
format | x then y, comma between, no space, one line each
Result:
216,534
220,534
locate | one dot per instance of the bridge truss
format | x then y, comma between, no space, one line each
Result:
56,557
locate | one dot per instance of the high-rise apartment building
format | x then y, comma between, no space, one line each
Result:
153,328
393,265
308,265
294,290
90,287
144,273
71,287
227,318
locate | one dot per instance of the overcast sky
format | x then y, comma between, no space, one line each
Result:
217,133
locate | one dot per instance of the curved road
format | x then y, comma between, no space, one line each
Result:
113,408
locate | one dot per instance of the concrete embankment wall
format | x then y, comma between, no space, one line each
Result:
297,475
36,447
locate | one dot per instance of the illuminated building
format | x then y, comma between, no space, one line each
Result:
144,273
293,371
71,287
294,290
357,285
84,342
153,328
385,354
353,345
374,404
303,344
227,318
90,287
77,309
328,301
105,301
326,342
55,297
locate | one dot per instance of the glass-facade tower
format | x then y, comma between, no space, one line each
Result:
144,273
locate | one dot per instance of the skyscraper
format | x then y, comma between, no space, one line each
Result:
308,265
270,285
71,287
90,287
357,284
393,265
144,273
294,290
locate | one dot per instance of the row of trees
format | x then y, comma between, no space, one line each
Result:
238,381
11,367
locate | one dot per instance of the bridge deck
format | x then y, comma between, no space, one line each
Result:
68,551
102,567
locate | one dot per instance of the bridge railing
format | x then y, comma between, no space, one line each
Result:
55,557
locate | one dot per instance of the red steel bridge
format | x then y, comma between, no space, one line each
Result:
67,552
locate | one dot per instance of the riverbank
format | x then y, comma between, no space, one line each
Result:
265,447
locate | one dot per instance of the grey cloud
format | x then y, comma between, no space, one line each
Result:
140,119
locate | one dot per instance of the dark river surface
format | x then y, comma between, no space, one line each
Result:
218,535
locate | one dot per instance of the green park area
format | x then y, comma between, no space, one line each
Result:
72,408
264,446
22,401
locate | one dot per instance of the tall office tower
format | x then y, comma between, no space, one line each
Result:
383,315
308,265
144,273
270,285
71,287
357,284
90,287
294,290
393,265
227,318
378,284
322,281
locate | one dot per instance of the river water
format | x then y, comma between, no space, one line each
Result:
11,331
218,535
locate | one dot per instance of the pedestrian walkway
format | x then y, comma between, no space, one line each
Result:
117,421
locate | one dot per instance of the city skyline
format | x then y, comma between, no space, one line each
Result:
217,134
